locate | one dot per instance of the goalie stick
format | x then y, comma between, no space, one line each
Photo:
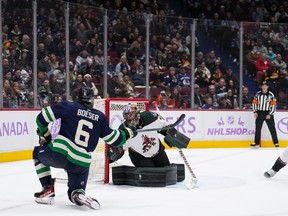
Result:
190,184
177,122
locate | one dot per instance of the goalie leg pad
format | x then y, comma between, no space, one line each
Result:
180,172
145,176
177,139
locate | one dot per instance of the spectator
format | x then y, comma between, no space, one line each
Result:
56,87
229,75
110,67
8,75
53,62
251,58
212,93
25,60
200,77
246,98
60,74
171,79
223,104
232,99
45,94
6,66
156,78
129,85
208,104
262,64
160,59
198,97
271,56
115,89
217,65
216,76
99,60
44,65
123,62
210,59
41,76
7,93
83,62
221,88
88,83
177,98
123,47
184,78
280,65
82,31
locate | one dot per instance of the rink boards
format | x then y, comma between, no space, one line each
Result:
207,129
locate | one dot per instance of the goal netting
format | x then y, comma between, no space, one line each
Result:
113,108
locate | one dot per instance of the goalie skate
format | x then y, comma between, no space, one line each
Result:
80,198
46,196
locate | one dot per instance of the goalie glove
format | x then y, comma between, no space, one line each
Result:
130,132
44,139
114,153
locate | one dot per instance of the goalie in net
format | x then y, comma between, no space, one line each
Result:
145,149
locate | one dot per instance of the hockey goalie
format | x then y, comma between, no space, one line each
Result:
146,152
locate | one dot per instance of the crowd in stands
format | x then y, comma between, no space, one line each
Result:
216,85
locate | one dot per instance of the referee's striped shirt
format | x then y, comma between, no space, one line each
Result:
264,102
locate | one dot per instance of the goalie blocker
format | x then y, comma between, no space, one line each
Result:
148,176
176,139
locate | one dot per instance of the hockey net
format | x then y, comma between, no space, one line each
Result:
113,108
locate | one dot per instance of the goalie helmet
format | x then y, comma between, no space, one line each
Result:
85,96
130,113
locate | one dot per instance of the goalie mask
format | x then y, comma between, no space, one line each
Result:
131,114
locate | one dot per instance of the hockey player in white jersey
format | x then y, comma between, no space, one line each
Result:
280,162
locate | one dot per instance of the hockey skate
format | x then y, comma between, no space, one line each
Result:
80,198
270,173
254,146
46,196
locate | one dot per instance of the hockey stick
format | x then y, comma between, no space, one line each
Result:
178,121
190,184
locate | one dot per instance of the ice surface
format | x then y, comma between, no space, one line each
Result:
230,183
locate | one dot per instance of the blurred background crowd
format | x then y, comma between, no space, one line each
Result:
217,45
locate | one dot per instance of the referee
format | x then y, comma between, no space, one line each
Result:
264,107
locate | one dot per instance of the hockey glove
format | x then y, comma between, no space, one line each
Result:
164,130
45,138
130,132
176,139
114,153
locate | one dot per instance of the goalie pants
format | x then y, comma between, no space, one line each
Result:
77,175
159,160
